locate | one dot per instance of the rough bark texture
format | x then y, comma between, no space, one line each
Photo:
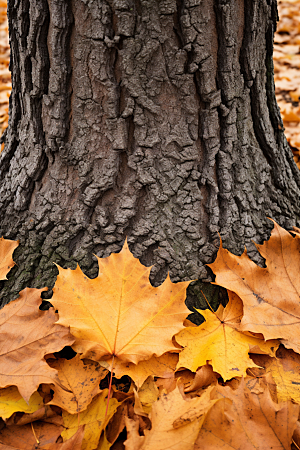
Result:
152,119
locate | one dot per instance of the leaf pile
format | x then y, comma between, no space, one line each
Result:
115,365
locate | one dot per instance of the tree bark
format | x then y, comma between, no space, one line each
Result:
151,119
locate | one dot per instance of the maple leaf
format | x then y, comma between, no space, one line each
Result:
163,366
119,313
31,436
28,334
93,418
79,383
285,371
11,401
248,420
270,295
7,248
175,422
74,443
218,341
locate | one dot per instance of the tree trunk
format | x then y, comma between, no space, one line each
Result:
152,119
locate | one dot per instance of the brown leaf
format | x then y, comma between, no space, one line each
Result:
243,419
270,295
134,440
79,383
176,421
28,334
74,443
203,378
25,437
43,414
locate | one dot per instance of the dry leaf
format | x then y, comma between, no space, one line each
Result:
79,383
120,313
28,334
134,440
45,413
93,418
270,295
74,443
203,378
243,419
163,366
176,421
26,436
145,397
11,401
218,342
6,262
285,371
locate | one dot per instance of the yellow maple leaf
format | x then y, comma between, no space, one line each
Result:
7,248
270,295
93,418
285,371
219,342
79,383
11,401
120,313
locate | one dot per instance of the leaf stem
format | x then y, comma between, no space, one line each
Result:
34,434
109,388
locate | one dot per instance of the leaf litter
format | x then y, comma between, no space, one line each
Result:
142,377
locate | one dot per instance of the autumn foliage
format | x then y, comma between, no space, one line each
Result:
114,364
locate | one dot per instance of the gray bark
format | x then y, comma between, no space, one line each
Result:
152,119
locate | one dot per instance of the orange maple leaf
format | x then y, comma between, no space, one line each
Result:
28,334
270,295
120,313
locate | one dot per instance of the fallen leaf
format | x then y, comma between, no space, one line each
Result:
145,397
285,371
74,443
218,342
163,366
120,313
11,401
270,295
26,436
44,414
176,421
7,248
204,377
134,441
115,426
93,418
243,419
28,334
79,383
